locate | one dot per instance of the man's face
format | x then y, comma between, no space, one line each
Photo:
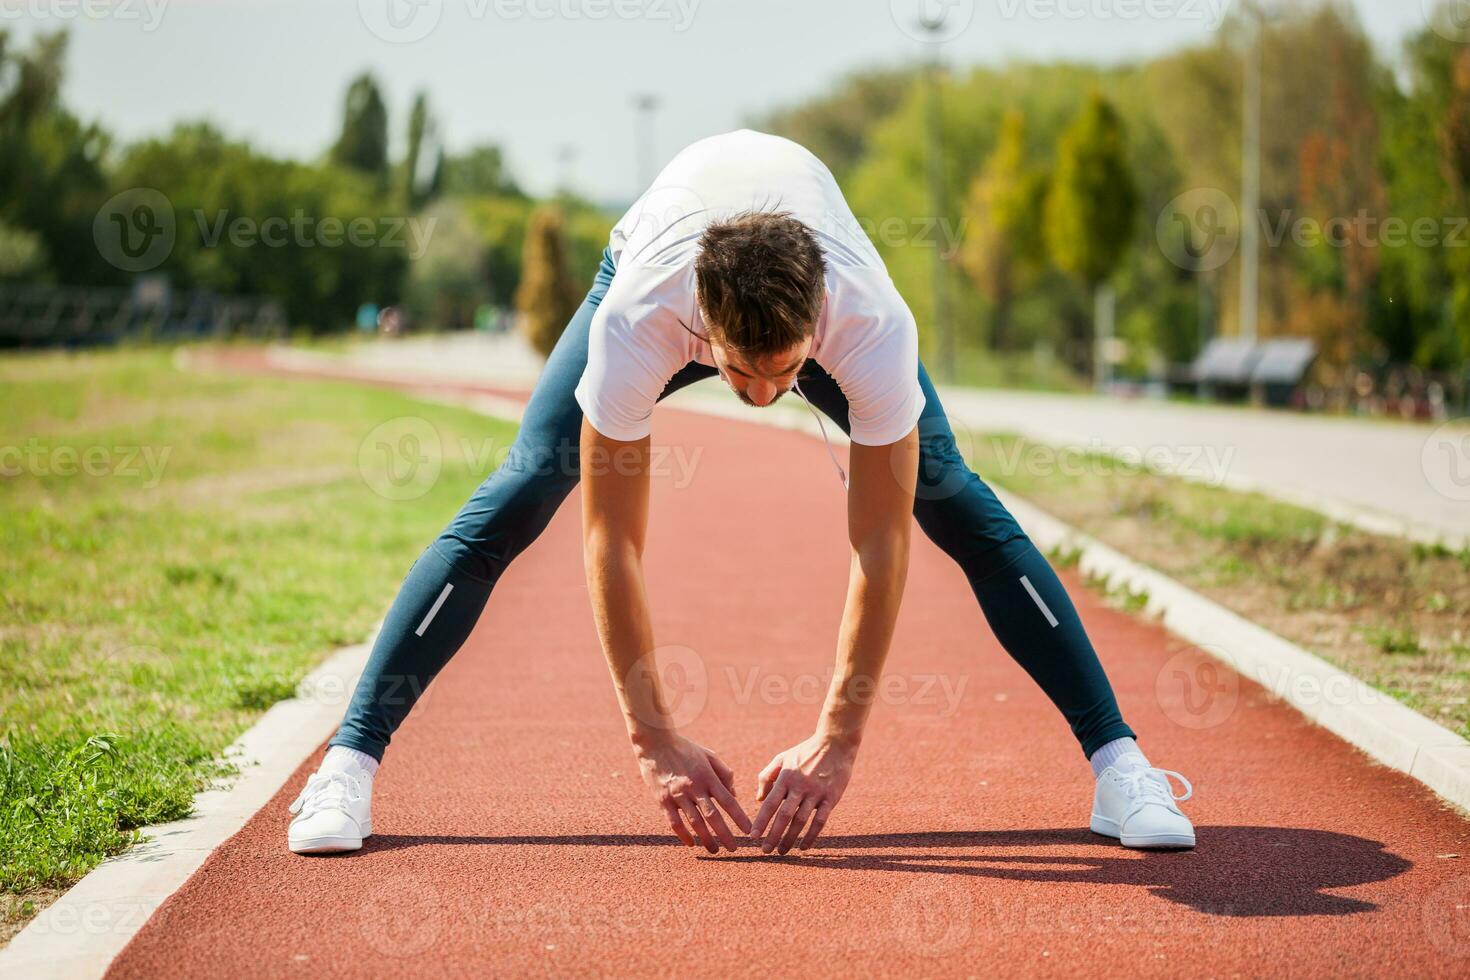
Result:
761,381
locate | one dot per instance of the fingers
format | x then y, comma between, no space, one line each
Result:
803,814
696,821
767,778
725,797
818,822
677,823
778,826
771,798
726,774
716,823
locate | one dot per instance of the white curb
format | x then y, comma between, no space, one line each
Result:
1387,730
78,935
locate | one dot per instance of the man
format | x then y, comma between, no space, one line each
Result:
742,260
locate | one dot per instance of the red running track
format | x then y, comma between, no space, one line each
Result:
514,837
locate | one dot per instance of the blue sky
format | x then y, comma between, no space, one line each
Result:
555,79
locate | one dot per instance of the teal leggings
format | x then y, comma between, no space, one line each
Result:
445,591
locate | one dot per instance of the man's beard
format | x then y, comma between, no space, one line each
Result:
746,399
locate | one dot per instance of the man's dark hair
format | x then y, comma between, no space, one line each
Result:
761,278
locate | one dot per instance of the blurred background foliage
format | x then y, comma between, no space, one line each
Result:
1053,176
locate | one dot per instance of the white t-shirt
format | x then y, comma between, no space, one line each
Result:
866,337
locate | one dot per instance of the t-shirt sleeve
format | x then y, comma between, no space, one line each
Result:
631,355
878,369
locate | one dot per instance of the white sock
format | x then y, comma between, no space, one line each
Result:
1110,753
340,757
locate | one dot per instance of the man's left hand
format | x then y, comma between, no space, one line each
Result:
803,783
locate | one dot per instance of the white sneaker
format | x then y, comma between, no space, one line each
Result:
333,813
1137,805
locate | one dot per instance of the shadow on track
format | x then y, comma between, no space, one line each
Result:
1234,871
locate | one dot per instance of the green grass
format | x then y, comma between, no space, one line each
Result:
980,368
1393,612
177,551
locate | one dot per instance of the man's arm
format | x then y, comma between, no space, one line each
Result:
807,780
687,780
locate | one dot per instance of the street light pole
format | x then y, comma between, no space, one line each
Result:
645,104
1250,189
931,21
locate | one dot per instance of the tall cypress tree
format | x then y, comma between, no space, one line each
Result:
1005,248
1092,207
363,144
547,296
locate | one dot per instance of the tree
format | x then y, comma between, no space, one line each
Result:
52,180
420,187
837,127
547,296
1091,210
363,144
1005,246
250,224
481,171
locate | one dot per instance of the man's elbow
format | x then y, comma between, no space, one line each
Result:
884,555
605,548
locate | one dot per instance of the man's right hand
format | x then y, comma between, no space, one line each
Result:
691,783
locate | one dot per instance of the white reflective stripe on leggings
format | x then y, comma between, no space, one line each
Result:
1037,599
448,588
